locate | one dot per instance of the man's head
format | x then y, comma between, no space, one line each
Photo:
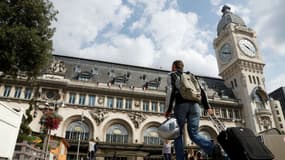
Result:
177,65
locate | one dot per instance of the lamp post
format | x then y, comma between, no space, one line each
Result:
79,137
47,139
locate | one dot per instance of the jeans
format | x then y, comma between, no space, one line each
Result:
167,156
190,111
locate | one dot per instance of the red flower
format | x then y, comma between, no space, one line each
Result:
51,120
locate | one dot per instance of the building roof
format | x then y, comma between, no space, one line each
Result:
95,71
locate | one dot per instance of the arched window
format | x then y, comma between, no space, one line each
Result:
77,129
117,133
259,102
151,136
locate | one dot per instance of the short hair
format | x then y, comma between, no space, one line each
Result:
178,64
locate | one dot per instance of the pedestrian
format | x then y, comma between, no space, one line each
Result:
92,149
188,110
167,150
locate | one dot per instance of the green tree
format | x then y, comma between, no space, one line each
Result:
25,36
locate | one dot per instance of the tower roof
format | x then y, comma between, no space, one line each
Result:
227,18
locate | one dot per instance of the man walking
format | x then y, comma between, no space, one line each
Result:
167,150
92,148
187,110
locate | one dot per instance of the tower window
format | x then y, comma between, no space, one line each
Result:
257,78
254,81
235,81
259,102
250,80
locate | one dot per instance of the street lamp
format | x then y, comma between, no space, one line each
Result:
80,132
44,120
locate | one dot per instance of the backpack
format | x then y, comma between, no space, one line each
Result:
188,86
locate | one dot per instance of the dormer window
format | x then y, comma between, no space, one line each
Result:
154,84
94,71
120,80
77,69
84,76
111,73
143,77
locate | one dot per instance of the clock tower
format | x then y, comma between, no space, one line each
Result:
241,66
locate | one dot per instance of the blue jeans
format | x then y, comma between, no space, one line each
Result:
190,111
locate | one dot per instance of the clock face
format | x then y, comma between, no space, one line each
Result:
247,47
226,53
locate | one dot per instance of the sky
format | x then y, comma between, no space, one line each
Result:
154,33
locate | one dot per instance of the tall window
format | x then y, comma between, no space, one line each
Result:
110,102
91,100
17,92
154,106
145,106
82,99
128,104
254,81
259,101
117,133
161,107
119,103
250,80
77,129
72,97
28,93
151,136
7,91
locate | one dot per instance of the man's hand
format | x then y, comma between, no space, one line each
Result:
166,114
210,111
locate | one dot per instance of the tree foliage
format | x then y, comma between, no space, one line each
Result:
25,130
25,35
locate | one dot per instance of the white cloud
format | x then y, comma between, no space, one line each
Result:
268,16
79,23
165,34
215,2
275,83
122,49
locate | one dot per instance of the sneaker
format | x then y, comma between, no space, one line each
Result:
217,153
